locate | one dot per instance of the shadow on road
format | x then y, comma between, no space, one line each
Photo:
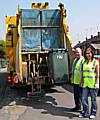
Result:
47,104
68,87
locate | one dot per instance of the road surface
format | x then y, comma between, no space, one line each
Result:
54,105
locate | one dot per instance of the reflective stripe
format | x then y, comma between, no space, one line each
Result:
89,76
88,71
77,74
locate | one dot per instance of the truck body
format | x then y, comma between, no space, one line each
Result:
38,47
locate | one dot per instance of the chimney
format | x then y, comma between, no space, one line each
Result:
98,33
91,36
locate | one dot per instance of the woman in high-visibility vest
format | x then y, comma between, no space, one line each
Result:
90,83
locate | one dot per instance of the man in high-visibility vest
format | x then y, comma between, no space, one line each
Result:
76,77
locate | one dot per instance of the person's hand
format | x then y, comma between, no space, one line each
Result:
81,84
96,85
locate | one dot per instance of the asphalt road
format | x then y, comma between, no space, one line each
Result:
3,82
54,105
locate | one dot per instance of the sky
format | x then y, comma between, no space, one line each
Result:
83,16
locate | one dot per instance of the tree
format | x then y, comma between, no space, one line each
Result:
2,49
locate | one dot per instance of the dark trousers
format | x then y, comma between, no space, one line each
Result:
77,96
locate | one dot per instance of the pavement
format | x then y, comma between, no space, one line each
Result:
76,114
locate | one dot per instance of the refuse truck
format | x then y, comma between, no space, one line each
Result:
38,46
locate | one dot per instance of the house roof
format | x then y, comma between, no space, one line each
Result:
96,46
